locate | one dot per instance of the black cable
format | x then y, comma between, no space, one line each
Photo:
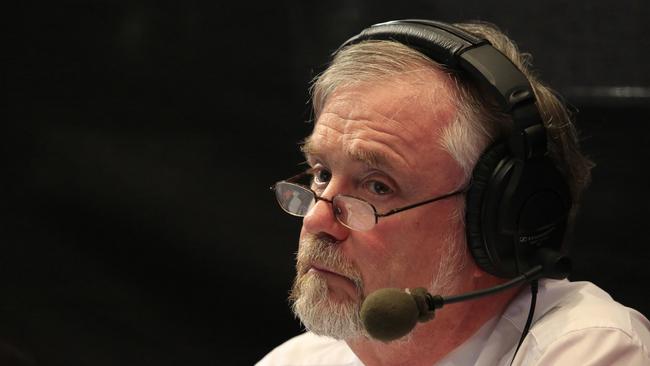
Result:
534,286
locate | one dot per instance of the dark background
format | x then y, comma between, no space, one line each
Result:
140,139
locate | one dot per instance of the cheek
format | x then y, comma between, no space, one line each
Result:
373,254
419,243
395,256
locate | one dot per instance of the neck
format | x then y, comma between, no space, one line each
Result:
430,342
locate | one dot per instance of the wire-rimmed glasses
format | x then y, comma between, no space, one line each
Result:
355,213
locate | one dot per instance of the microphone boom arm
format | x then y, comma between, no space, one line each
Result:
437,301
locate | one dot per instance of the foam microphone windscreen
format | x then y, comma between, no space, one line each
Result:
389,314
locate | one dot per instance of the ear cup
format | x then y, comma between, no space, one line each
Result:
474,206
513,209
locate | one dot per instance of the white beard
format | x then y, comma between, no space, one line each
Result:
311,303
341,319
322,315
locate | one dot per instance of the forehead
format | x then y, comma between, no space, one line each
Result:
389,122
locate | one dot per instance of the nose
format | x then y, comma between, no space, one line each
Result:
320,219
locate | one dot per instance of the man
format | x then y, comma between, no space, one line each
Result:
395,161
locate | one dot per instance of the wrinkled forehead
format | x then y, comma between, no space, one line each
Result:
384,124
421,102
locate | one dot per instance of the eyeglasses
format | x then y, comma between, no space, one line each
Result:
354,213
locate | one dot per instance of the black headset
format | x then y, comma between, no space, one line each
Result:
518,203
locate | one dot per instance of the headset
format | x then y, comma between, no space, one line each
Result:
518,202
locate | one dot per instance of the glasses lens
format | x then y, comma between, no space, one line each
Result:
293,198
354,213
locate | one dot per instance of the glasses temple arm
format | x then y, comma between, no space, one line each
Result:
400,209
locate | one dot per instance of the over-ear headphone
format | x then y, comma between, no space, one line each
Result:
518,203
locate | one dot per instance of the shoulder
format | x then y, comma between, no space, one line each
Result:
582,324
313,350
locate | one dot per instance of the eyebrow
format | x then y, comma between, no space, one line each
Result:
371,159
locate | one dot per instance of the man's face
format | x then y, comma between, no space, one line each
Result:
379,142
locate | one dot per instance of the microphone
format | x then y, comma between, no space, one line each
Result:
390,313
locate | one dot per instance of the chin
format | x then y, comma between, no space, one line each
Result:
325,314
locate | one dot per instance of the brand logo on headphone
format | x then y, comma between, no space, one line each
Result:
540,236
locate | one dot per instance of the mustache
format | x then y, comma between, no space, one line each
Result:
323,250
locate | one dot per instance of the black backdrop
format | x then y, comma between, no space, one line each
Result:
140,139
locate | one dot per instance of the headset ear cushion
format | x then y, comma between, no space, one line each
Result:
475,203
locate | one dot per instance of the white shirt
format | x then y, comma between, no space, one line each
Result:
575,323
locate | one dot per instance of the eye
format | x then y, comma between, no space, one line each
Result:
321,176
378,188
